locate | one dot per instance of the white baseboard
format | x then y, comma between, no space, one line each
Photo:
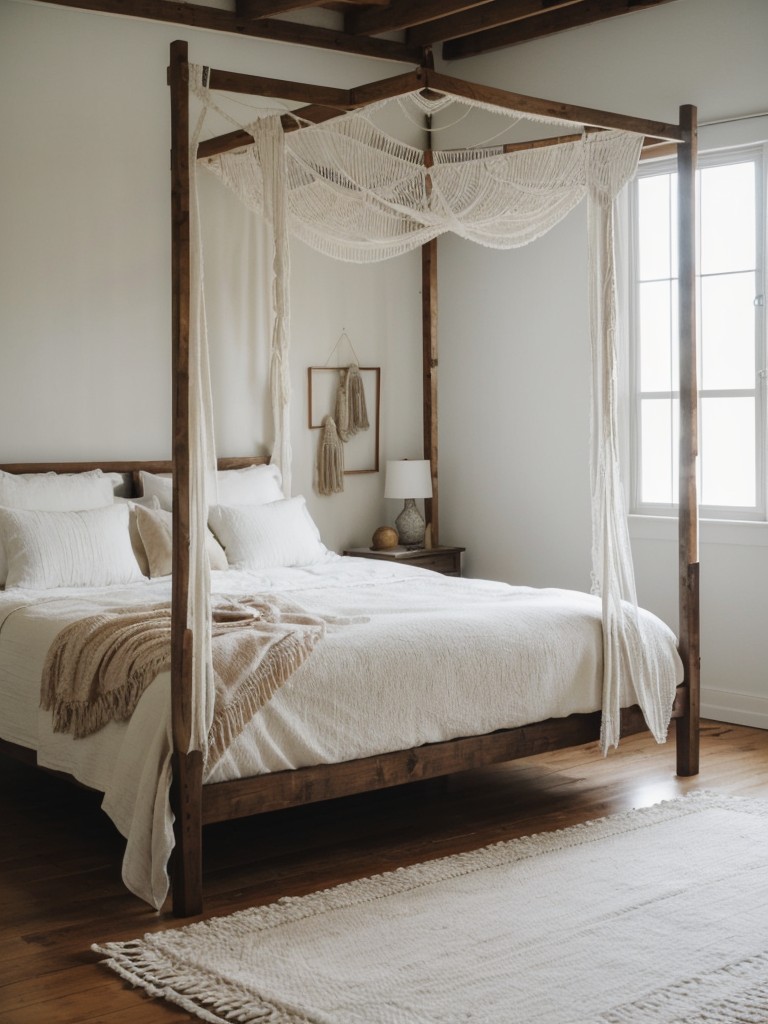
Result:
735,708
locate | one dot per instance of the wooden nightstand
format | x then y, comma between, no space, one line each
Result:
444,560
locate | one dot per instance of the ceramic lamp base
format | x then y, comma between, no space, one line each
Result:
410,524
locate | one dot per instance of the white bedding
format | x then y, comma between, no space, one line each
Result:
425,658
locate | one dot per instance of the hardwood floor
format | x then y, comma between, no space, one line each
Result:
60,887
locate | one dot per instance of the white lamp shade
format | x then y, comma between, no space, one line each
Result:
408,478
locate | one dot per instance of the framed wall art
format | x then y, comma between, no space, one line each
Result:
361,448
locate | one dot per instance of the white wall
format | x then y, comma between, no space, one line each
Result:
85,299
85,294
514,485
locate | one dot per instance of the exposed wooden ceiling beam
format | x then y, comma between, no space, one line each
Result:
584,13
199,16
402,14
250,10
489,16
328,39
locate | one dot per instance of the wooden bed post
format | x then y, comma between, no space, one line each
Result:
429,348
429,357
688,724
186,791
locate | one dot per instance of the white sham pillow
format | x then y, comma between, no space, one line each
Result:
155,527
56,492
90,548
279,533
254,485
158,486
52,492
133,529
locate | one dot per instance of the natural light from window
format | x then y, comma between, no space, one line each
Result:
731,337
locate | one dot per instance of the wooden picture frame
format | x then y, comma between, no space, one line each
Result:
361,451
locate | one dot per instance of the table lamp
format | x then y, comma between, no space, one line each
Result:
409,479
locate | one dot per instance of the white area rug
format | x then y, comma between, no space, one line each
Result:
655,916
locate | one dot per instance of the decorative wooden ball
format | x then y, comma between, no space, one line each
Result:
384,538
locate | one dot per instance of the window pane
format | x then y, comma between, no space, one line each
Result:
728,331
728,451
659,450
654,213
727,218
658,336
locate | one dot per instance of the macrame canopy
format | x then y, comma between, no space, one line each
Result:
355,193
328,174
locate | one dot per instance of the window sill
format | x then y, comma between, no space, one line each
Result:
711,531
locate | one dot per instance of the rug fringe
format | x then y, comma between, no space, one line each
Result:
160,979
748,1004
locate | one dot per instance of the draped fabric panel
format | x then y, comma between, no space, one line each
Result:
625,657
354,193
202,463
269,148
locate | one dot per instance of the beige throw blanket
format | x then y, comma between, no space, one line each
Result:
97,668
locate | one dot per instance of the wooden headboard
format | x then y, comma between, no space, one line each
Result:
129,470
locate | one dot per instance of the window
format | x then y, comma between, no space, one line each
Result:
731,329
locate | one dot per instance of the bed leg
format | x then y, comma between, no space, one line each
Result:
187,866
687,726
687,736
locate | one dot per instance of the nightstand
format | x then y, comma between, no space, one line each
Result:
445,560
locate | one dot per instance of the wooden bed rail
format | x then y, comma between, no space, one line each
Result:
275,791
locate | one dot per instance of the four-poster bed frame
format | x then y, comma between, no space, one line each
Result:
196,805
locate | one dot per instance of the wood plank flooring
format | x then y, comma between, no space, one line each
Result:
60,887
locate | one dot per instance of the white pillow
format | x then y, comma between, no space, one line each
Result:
91,548
52,492
155,527
133,529
263,536
55,492
254,485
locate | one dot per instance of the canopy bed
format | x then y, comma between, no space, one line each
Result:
420,212
634,680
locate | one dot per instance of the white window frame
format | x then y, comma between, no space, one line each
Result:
758,512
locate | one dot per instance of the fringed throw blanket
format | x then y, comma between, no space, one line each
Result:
97,668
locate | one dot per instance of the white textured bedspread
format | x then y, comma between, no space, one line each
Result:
425,658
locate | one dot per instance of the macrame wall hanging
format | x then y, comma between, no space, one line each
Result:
351,411
330,459
348,416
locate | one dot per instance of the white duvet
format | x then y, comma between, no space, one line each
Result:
424,658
